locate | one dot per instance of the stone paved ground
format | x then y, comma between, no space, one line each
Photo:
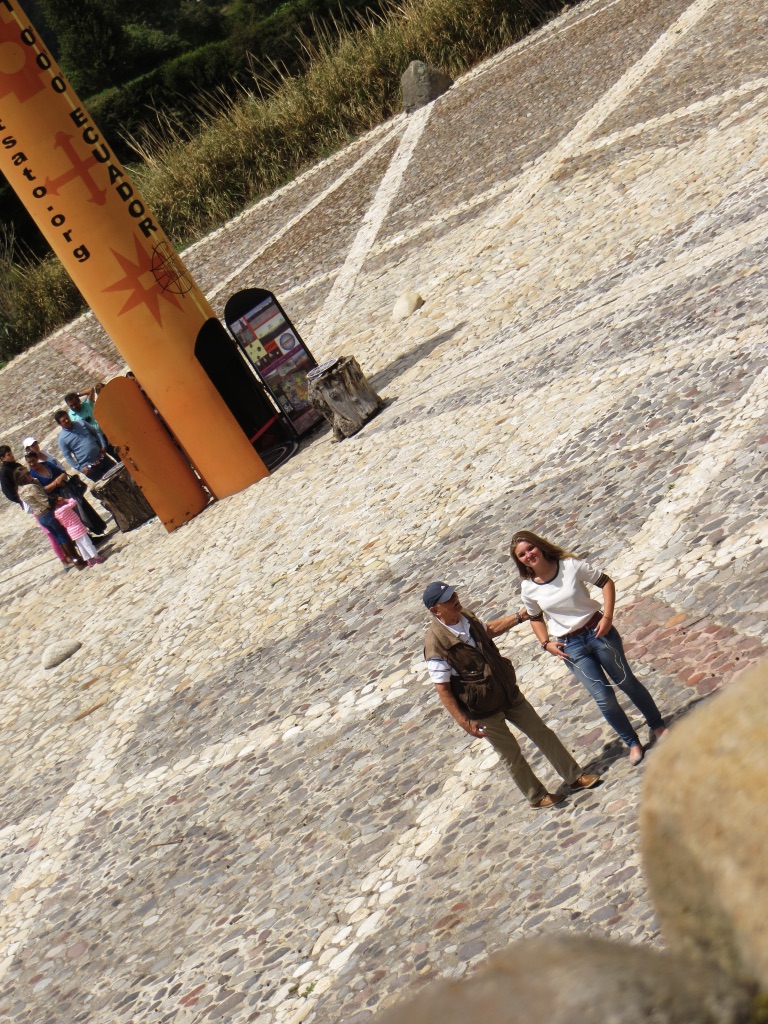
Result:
238,801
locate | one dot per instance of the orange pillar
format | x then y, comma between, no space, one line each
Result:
99,226
149,453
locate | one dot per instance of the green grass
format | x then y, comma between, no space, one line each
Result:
245,149
36,297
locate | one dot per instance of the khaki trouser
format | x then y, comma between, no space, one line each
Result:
527,721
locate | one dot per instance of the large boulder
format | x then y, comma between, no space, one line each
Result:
421,83
580,980
704,825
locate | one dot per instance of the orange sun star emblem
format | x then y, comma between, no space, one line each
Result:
141,281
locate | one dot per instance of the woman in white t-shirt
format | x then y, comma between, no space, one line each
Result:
581,632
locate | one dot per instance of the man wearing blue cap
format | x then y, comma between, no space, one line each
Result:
478,688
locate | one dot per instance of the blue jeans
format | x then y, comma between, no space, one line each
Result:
53,526
598,661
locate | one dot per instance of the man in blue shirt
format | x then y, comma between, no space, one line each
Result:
83,447
81,409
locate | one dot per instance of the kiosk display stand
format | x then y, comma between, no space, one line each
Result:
275,350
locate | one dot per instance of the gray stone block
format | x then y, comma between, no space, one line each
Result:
421,84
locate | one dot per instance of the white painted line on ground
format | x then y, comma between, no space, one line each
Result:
698,107
369,229
508,185
302,179
404,859
546,34
669,515
392,128
636,290
543,169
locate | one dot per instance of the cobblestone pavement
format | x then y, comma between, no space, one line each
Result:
239,800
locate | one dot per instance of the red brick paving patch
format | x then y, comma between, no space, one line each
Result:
698,651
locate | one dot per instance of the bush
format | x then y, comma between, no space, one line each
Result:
147,47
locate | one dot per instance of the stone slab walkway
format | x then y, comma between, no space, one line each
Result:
239,801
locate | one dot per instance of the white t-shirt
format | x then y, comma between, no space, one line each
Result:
564,600
439,670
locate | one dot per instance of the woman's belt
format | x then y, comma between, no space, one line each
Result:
582,629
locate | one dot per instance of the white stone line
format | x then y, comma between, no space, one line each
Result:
687,263
45,862
350,172
633,291
212,756
306,176
552,28
547,33
669,515
508,185
541,172
697,107
366,904
27,893
371,225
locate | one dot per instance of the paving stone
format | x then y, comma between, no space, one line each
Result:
240,799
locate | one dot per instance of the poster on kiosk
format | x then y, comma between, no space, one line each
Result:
274,348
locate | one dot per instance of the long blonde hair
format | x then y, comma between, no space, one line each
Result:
552,552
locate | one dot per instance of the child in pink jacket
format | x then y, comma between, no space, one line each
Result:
65,513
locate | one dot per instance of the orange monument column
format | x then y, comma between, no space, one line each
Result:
99,226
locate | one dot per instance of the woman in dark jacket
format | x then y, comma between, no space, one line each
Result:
57,484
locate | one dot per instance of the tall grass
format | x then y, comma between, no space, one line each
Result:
36,297
352,83
244,149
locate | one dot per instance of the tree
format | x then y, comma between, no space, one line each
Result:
92,41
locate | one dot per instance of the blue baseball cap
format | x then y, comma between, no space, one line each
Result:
436,593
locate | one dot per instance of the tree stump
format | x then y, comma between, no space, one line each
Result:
340,392
119,493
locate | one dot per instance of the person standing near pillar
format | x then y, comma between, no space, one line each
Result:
81,410
56,483
33,495
82,447
8,467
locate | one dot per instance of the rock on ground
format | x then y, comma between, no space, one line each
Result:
421,84
705,828
406,304
54,654
565,979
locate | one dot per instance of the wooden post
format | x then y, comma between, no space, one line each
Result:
339,391
119,493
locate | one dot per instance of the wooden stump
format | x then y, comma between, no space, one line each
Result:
121,495
339,391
